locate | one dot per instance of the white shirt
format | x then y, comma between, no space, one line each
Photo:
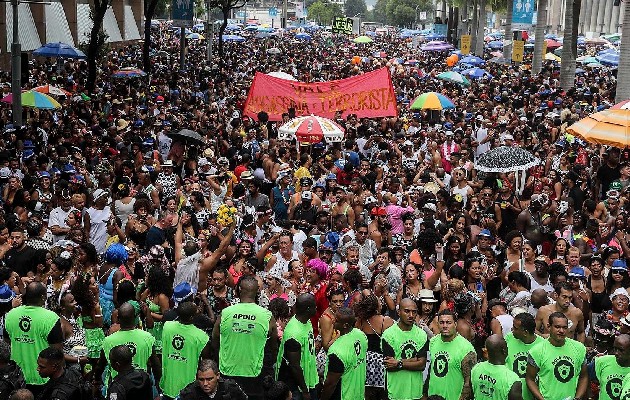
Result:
98,227
480,135
58,218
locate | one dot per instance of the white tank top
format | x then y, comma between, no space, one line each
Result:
506,322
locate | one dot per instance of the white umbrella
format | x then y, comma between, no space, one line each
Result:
282,75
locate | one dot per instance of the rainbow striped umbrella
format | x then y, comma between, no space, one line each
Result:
129,73
35,99
610,127
432,101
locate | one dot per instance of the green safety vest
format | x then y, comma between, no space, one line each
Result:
28,328
139,342
303,334
351,349
404,384
610,376
517,359
244,330
625,388
446,377
492,382
182,347
559,367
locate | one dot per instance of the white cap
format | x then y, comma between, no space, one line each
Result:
508,136
307,195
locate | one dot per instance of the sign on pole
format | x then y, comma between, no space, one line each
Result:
544,49
522,15
342,25
183,12
422,15
465,44
518,48
273,12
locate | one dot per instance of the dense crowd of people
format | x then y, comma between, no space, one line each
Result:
386,266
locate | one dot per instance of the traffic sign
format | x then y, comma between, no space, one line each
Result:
273,12
240,14
465,44
518,49
183,12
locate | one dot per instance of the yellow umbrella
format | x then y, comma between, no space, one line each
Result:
552,57
610,127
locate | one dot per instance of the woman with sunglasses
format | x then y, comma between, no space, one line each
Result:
618,277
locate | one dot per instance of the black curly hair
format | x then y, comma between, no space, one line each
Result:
158,282
367,307
83,295
426,241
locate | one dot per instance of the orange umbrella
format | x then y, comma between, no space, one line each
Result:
610,127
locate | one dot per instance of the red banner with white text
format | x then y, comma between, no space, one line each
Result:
369,95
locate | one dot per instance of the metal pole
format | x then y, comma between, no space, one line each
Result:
16,69
210,37
182,50
285,11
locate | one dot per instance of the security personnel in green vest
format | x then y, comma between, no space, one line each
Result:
182,345
452,358
519,342
345,371
140,342
557,367
492,379
30,329
625,388
239,337
296,365
405,349
610,370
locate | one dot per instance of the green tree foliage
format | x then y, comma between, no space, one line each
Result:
379,13
354,7
402,13
323,12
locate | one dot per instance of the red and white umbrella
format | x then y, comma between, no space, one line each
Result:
311,129
49,89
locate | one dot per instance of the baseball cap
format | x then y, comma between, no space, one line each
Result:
182,292
577,272
307,195
370,200
486,233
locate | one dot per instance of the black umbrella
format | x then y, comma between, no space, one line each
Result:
506,159
187,135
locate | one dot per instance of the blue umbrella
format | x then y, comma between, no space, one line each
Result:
265,29
579,71
472,60
434,36
233,27
59,49
477,73
609,59
262,35
251,28
495,44
303,36
607,51
233,38
551,36
496,35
